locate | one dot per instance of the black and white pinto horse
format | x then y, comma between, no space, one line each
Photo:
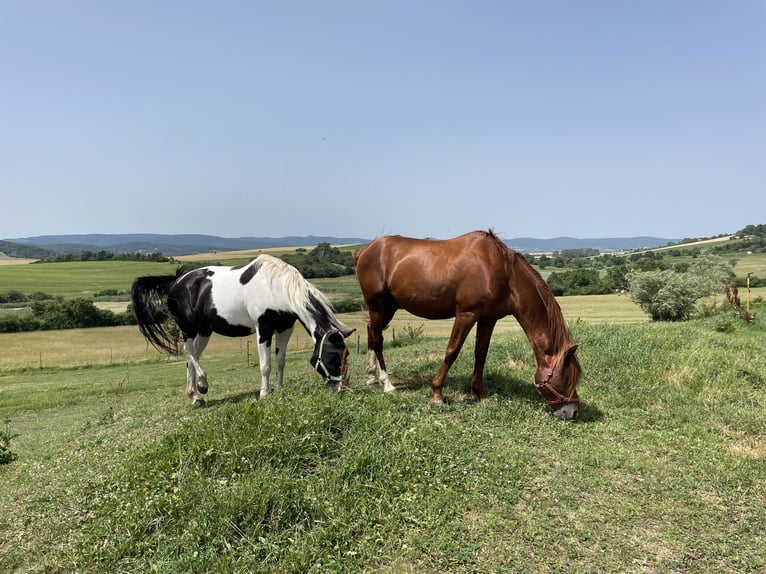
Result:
265,297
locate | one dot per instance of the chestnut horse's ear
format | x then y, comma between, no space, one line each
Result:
570,351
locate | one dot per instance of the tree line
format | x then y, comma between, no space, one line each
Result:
58,313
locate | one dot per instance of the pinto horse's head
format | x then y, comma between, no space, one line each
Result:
330,358
557,384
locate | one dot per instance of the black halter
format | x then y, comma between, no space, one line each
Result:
319,365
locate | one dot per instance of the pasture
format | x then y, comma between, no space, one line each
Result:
117,473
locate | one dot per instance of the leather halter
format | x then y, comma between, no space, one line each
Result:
546,385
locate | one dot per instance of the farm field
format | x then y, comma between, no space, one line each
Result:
77,279
111,345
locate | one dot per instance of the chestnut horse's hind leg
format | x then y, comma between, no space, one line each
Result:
484,330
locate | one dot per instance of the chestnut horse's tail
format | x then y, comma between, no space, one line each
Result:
149,296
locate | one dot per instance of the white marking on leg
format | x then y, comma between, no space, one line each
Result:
371,369
388,386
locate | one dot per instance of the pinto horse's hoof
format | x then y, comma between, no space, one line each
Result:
199,402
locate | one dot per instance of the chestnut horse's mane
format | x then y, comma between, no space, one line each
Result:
516,261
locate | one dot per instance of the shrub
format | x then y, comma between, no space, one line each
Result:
669,295
6,454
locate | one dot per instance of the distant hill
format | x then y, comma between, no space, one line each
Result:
19,251
173,245
532,245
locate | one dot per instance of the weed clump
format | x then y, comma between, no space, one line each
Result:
6,454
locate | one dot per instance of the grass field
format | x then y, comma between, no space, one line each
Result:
116,472
664,473
77,279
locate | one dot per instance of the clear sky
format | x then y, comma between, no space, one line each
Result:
587,118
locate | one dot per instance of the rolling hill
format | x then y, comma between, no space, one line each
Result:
173,245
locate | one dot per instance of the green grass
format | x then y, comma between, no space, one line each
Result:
664,473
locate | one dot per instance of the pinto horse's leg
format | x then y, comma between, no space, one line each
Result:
484,330
191,375
264,359
196,376
281,351
460,329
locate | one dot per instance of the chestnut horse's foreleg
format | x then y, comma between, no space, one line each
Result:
460,329
484,330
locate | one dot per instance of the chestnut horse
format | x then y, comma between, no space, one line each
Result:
478,280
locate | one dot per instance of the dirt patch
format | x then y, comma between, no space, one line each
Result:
16,261
743,444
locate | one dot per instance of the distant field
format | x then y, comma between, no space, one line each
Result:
77,279
14,261
230,257
78,347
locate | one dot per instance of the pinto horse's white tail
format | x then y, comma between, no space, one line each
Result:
148,297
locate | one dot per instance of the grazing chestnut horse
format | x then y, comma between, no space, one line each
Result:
476,279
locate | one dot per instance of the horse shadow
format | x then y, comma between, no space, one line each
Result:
507,386
231,399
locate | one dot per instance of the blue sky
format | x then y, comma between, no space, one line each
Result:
361,118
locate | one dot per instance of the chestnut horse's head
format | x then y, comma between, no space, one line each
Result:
557,384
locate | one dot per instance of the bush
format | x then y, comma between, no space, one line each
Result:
6,454
669,295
